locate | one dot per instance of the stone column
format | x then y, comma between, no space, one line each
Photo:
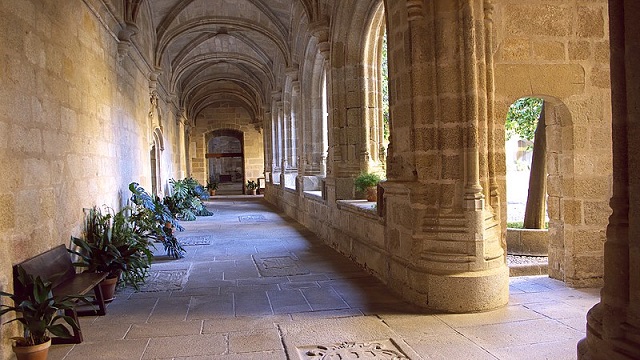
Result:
445,243
276,137
268,140
613,325
295,123
328,158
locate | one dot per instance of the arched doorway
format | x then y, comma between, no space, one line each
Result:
225,161
154,157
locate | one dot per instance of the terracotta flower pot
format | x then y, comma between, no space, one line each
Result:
108,287
372,193
35,352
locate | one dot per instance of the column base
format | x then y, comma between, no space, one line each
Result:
469,291
601,344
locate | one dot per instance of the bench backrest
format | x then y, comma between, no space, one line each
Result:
53,265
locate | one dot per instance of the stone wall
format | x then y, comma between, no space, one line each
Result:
74,125
560,52
227,116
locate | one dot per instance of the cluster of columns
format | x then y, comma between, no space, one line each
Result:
613,325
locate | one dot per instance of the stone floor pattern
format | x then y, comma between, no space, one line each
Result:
256,285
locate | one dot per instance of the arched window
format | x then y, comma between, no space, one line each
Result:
154,158
376,90
325,123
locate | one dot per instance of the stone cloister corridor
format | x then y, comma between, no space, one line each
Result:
303,97
256,285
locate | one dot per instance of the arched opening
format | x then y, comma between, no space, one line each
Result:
325,124
154,158
376,90
525,145
526,174
154,170
555,177
225,161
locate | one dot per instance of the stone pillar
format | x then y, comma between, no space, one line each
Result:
295,124
268,140
276,137
613,325
446,243
328,158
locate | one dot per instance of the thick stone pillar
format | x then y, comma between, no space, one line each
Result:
613,325
445,240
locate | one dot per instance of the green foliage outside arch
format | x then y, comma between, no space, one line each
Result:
522,118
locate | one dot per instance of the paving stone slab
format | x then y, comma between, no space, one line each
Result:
285,265
382,349
164,280
195,240
252,218
360,337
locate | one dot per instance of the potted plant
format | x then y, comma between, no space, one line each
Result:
112,245
38,311
212,186
252,187
367,183
186,200
154,221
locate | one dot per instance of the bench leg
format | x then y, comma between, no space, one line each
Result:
77,333
97,290
99,300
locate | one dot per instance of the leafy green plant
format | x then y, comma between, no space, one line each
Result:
251,185
212,185
520,225
186,200
113,244
153,220
522,118
38,310
366,180
515,224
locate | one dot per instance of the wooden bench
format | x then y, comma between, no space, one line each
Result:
55,266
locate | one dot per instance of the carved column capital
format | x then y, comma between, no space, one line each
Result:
488,10
415,9
320,30
295,86
124,39
292,72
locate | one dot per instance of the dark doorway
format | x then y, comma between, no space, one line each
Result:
225,158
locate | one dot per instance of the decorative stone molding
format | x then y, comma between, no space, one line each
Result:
352,350
320,30
415,10
153,79
124,39
489,10
292,72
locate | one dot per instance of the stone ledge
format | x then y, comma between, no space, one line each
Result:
528,269
313,195
529,242
360,207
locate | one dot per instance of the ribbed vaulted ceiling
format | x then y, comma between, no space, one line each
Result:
221,50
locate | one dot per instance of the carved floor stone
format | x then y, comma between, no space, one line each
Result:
195,240
384,349
251,218
164,280
286,265
345,338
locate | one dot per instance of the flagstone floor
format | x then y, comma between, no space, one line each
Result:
256,285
